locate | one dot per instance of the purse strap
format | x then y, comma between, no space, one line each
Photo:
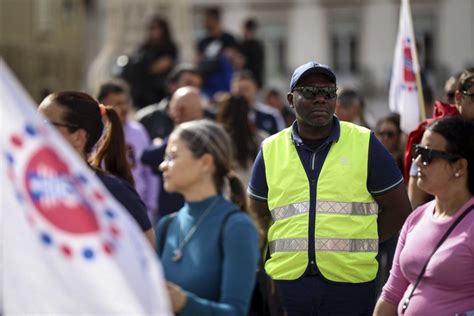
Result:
445,236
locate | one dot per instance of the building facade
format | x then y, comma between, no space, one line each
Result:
75,44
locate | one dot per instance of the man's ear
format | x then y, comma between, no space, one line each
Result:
289,97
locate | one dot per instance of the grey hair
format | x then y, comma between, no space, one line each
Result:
207,137
347,97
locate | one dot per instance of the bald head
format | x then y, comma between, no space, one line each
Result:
186,105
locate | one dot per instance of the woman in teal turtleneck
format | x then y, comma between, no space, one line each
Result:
209,272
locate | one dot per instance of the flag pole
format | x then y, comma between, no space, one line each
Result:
414,52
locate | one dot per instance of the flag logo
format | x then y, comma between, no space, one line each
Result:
409,79
58,210
405,95
54,190
68,243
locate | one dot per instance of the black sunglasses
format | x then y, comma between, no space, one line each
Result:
312,92
388,134
467,94
428,154
67,125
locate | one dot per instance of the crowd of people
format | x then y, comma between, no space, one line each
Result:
223,182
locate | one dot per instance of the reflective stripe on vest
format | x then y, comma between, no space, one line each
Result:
346,237
328,207
324,244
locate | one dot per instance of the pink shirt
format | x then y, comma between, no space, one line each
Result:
447,286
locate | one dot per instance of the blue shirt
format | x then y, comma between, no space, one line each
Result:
383,173
215,283
267,118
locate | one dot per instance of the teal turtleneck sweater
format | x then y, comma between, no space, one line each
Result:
215,283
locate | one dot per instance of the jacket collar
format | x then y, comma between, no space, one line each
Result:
333,137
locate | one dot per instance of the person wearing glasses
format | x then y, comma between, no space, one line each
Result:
388,132
79,119
209,249
464,95
464,106
325,193
445,162
450,87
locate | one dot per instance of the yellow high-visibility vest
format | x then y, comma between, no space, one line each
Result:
346,237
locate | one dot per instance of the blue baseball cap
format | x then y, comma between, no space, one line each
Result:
310,68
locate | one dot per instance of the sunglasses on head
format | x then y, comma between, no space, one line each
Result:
312,92
427,154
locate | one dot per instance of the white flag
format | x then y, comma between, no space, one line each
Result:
404,97
68,248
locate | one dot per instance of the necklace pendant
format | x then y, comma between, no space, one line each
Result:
177,255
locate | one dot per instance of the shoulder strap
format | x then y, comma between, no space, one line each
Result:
221,229
164,232
422,272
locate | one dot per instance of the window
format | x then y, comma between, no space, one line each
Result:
344,42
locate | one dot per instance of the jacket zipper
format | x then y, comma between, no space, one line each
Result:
312,217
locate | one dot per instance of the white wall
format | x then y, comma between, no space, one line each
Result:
456,34
378,36
307,34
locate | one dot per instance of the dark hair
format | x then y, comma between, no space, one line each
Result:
206,137
233,115
112,149
110,88
167,39
393,118
83,112
273,92
181,69
213,12
457,132
466,79
250,24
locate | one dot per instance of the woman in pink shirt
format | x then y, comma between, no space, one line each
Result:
445,162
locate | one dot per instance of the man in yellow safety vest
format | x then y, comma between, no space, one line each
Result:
326,192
